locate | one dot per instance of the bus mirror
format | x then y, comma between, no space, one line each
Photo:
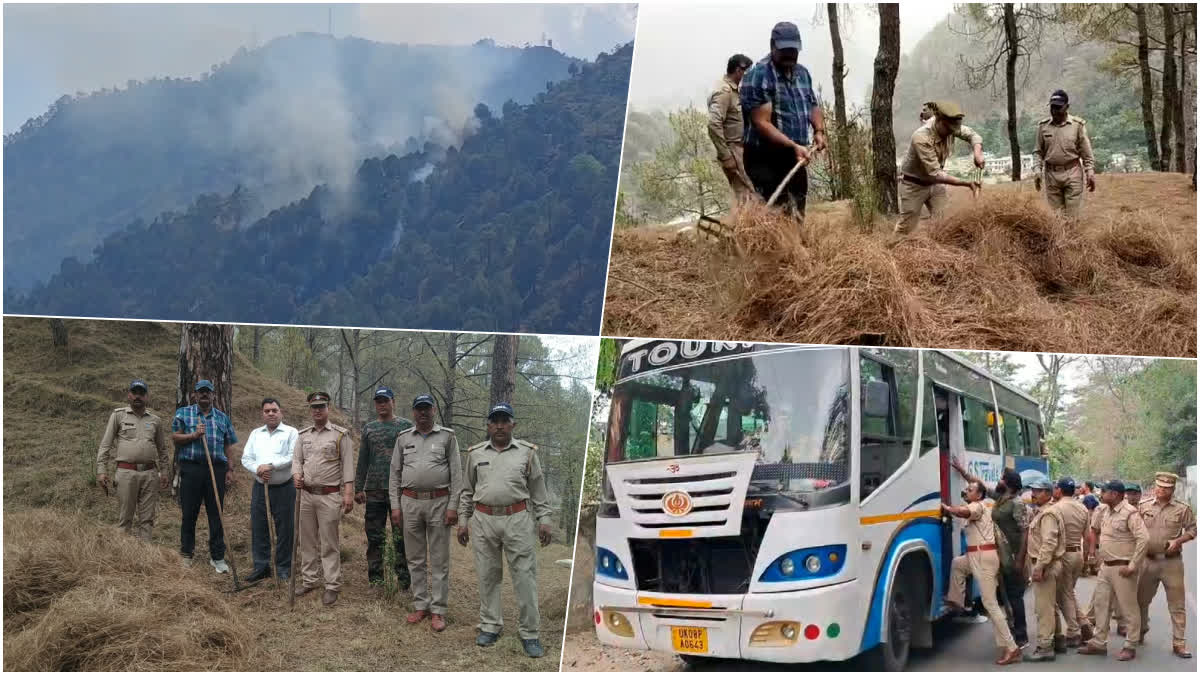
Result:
877,399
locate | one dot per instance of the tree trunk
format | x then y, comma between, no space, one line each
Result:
1147,87
341,376
842,185
504,369
1010,79
1169,87
206,353
448,386
1181,154
58,332
353,352
883,141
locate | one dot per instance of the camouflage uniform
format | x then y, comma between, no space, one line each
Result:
374,463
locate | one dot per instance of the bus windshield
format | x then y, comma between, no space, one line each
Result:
789,407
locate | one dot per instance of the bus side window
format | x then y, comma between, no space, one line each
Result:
887,441
977,434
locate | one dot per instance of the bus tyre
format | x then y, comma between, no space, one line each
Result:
695,661
891,655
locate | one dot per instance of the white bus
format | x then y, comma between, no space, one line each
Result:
781,503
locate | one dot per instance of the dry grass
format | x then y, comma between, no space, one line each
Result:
1006,275
55,406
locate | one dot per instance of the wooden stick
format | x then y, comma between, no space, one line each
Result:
295,547
271,531
220,511
786,179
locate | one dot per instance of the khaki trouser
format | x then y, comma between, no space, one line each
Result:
1110,586
427,546
1168,572
137,492
984,566
320,548
1090,616
514,535
1064,189
913,197
1045,594
1065,600
738,180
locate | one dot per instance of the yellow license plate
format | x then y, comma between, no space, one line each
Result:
689,639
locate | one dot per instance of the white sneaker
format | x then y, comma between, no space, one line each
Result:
220,566
188,562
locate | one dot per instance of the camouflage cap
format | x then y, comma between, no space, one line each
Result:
948,109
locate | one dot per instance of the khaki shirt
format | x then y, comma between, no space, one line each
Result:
927,152
1165,522
725,125
505,477
1123,534
1065,143
136,439
1075,518
980,529
425,463
324,458
1046,541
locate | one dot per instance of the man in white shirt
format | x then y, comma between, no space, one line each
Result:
268,455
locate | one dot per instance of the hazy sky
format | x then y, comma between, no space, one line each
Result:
51,50
682,49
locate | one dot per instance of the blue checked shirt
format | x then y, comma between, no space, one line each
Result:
218,430
792,100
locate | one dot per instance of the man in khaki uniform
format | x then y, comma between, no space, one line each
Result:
982,562
923,177
323,467
138,439
1075,518
423,490
725,126
1046,545
1171,524
1123,539
1092,558
503,481
1062,146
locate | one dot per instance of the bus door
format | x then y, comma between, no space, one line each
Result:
950,444
941,400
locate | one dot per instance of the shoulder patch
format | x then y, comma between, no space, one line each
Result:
526,444
1078,119
305,429
1044,121
339,429
477,446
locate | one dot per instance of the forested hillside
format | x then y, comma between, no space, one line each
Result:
509,231
301,111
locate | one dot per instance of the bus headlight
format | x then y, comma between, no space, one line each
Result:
787,567
609,565
813,564
806,563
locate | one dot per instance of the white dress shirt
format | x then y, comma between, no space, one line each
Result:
271,447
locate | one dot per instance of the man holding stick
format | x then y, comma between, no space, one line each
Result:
923,172
268,455
192,427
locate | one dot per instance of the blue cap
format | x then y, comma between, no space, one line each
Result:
384,392
1059,97
423,399
785,35
1066,483
204,384
1091,502
1114,486
1039,483
138,384
501,408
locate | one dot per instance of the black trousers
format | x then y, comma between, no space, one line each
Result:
283,511
1012,587
196,489
768,165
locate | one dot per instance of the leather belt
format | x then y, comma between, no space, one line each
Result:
135,466
1074,549
321,489
1161,556
982,547
501,510
425,494
916,181
1112,563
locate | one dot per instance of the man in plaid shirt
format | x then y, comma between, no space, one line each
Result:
778,106
195,485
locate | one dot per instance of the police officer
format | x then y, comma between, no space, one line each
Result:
1171,524
1064,157
323,467
1133,494
424,488
725,126
371,488
1123,540
139,439
1075,521
1046,545
1092,559
503,481
923,171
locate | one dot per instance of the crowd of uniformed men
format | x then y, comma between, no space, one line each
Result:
1134,544
408,472
759,115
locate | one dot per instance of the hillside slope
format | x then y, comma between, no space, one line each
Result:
56,404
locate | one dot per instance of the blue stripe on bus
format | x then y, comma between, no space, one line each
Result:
931,495
925,529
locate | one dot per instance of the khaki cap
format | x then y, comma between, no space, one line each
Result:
1165,479
948,109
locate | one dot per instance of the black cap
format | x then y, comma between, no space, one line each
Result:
1059,97
423,399
318,398
384,392
138,384
1066,483
501,409
785,35
1114,486
1133,487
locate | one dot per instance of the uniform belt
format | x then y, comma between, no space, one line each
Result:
137,466
425,494
1111,563
501,510
321,489
981,547
1057,167
1161,556
1074,549
916,181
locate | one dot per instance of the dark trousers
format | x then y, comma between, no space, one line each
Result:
376,520
283,511
768,165
1012,588
196,489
